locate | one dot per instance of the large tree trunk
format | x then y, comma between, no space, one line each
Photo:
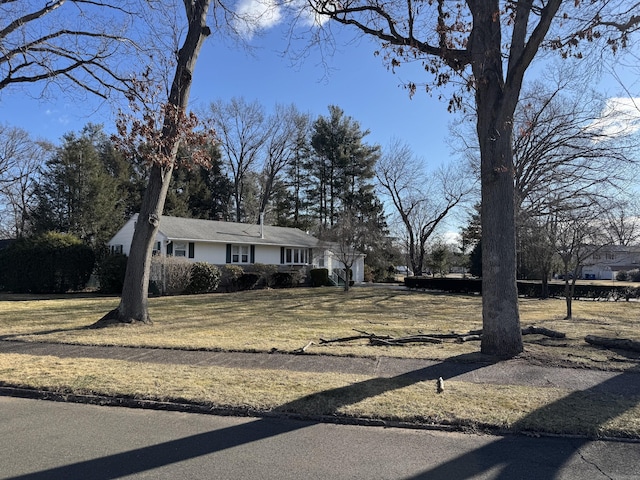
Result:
502,334
134,301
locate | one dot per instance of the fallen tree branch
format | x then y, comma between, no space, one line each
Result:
345,339
468,338
619,343
533,330
404,340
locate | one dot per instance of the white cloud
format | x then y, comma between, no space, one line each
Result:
255,15
306,15
620,117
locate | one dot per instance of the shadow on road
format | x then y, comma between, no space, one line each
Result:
498,458
156,456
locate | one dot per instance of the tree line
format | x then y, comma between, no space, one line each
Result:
286,168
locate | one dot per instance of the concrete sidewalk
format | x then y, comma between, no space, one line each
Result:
508,372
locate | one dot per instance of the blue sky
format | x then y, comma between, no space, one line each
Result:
358,82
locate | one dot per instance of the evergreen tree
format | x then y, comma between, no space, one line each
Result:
77,194
343,168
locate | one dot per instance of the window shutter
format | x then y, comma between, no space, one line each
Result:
192,249
281,255
252,254
310,258
170,249
228,253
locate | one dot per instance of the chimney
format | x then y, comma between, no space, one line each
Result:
261,224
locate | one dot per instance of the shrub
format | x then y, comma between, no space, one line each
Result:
369,274
111,273
622,276
264,272
248,281
50,263
634,275
205,278
171,275
319,277
285,279
230,276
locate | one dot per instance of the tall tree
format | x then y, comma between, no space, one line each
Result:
20,161
160,148
76,195
243,131
495,42
280,149
421,201
344,165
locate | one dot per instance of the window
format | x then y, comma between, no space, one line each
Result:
179,249
239,254
156,248
296,256
116,249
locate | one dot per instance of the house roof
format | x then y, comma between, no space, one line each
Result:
196,230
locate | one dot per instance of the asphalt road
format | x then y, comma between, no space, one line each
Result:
50,440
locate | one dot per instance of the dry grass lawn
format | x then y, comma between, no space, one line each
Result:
288,319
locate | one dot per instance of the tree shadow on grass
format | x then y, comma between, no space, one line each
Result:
501,459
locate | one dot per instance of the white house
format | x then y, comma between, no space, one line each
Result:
606,262
221,243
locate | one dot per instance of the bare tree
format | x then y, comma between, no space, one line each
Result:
563,148
20,160
576,235
622,222
79,43
243,131
280,148
342,239
421,201
490,45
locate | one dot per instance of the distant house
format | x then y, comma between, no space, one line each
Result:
222,243
605,263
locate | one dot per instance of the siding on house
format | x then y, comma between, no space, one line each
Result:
215,242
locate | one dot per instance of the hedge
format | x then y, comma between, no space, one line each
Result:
525,288
50,263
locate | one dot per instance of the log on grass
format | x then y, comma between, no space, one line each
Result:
619,343
403,340
533,330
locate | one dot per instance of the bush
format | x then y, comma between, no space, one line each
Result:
170,275
634,275
111,273
285,279
205,278
369,274
265,274
230,276
248,281
622,276
50,263
319,277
